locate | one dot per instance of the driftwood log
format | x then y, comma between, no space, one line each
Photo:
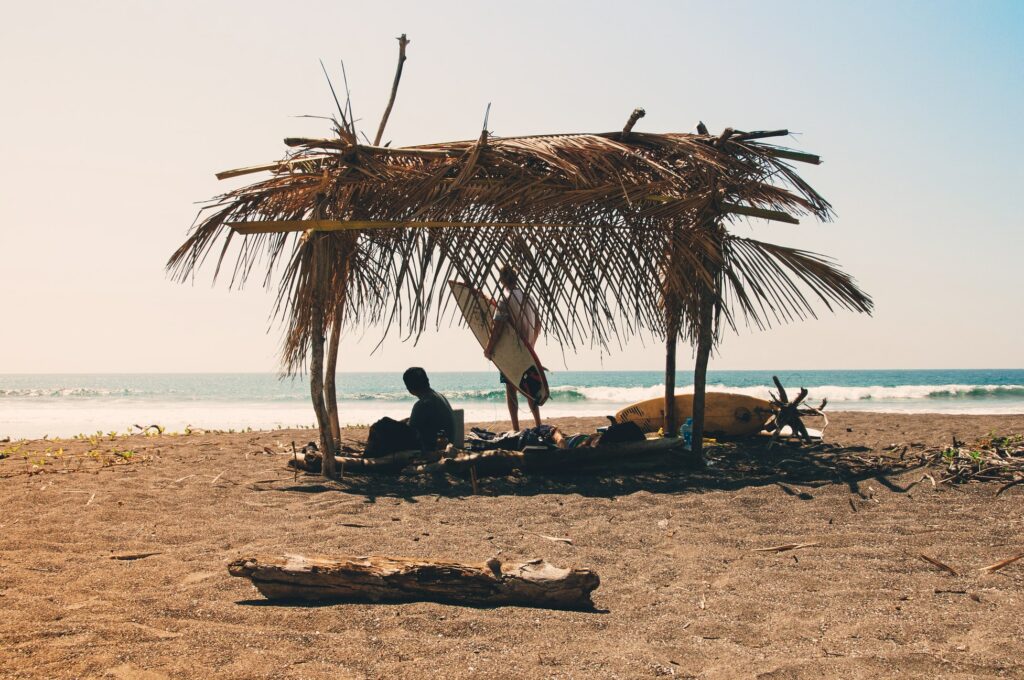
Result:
388,579
500,462
390,463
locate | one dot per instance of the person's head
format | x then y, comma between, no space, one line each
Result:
416,380
508,276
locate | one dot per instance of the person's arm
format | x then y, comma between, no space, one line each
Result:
500,322
416,419
496,331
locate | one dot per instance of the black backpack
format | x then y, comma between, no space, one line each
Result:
387,436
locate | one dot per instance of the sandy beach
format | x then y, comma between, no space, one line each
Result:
683,592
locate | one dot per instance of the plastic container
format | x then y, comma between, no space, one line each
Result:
686,432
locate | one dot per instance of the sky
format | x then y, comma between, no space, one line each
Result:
116,115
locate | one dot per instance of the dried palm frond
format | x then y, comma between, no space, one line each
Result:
613,234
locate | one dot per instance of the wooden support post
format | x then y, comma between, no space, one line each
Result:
700,374
316,361
330,379
671,427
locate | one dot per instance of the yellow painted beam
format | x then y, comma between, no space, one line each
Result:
284,226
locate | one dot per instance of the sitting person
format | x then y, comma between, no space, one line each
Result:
431,414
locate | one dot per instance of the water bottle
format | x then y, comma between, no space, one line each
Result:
686,432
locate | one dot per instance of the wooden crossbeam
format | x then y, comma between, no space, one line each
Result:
284,226
277,165
789,154
336,143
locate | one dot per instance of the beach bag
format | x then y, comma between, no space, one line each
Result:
620,433
388,436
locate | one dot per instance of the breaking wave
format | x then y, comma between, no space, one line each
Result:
70,392
598,394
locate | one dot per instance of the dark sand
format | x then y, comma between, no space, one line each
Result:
682,593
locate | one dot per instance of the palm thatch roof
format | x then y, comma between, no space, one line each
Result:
588,218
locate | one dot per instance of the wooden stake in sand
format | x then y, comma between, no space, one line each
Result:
394,579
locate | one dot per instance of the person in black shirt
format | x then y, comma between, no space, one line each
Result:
431,413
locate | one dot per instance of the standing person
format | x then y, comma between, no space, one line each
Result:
516,314
431,414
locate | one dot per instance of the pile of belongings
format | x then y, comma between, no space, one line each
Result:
549,437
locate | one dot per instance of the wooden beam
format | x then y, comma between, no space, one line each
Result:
763,213
336,143
759,134
395,579
278,165
284,226
789,154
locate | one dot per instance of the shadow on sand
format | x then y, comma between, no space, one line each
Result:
729,466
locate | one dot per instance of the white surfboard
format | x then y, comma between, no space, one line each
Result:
512,354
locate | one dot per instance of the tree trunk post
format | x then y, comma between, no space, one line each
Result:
330,379
316,361
671,427
700,374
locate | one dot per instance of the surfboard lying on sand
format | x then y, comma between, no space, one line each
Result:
725,415
512,355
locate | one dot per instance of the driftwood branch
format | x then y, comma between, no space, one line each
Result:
637,114
388,579
788,413
402,42
759,134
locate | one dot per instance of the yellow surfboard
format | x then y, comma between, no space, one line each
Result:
725,415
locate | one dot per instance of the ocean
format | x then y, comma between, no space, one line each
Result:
65,405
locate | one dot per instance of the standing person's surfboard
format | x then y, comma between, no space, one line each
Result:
512,355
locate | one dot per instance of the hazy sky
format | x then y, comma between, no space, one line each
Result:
115,116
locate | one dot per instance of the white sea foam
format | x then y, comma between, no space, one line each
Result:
35,408
834,393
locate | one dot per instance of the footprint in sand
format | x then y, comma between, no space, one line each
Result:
197,577
129,672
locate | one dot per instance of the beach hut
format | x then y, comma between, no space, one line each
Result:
616,233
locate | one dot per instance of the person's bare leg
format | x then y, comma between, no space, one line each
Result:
535,410
513,405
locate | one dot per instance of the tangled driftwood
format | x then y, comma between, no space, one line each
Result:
992,459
